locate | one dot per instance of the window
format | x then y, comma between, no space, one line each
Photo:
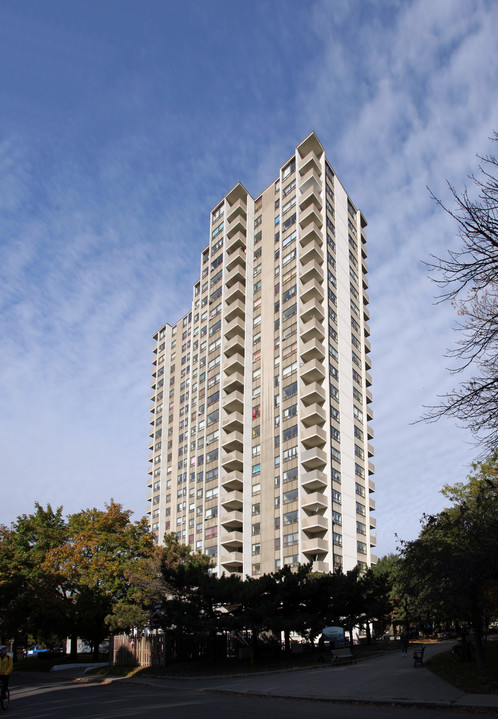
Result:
290,496
289,475
289,169
360,490
290,539
290,412
289,433
290,453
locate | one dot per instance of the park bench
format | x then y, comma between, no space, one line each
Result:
343,656
418,656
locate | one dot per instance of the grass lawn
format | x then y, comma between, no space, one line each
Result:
205,668
465,675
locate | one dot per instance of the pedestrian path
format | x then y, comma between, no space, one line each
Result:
387,679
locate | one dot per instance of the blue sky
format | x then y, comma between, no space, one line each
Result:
121,126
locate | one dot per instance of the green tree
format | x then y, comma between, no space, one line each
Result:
94,564
453,564
31,599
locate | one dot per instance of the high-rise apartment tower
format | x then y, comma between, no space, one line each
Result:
259,440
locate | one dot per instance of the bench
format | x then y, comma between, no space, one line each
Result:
418,656
343,656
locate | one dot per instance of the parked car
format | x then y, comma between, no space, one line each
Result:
37,650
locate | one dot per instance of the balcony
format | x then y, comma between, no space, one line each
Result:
231,540
313,393
235,345
313,436
310,162
237,274
234,402
236,259
315,524
373,541
313,250
371,485
310,180
313,349
239,208
232,481
234,559
310,198
238,224
238,240
368,396
314,459
373,522
315,545
232,520
231,499
314,481
369,413
321,567
233,441
312,309
312,328
235,292
234,382
313,414
370,432
371,468
371,504
233,422
235,309
232,461
370,450
314,502
368,379
235,363
366,313
235,328
312,271
311,216
311,291
313,371
311,233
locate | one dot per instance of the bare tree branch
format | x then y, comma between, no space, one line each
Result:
469,280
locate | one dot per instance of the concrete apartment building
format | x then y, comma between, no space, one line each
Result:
259,439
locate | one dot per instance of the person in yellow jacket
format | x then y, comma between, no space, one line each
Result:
6,666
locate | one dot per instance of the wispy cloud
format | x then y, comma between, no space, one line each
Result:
106,185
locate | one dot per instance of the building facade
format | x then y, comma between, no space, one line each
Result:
260,423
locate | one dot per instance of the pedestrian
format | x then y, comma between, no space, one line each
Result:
6,666
404,643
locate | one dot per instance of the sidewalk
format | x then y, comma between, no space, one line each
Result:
388,679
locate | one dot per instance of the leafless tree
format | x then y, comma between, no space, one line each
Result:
469,280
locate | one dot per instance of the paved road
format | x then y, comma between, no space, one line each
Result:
37,697
387,686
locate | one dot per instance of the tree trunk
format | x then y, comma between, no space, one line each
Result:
368,632
74,646
478,643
